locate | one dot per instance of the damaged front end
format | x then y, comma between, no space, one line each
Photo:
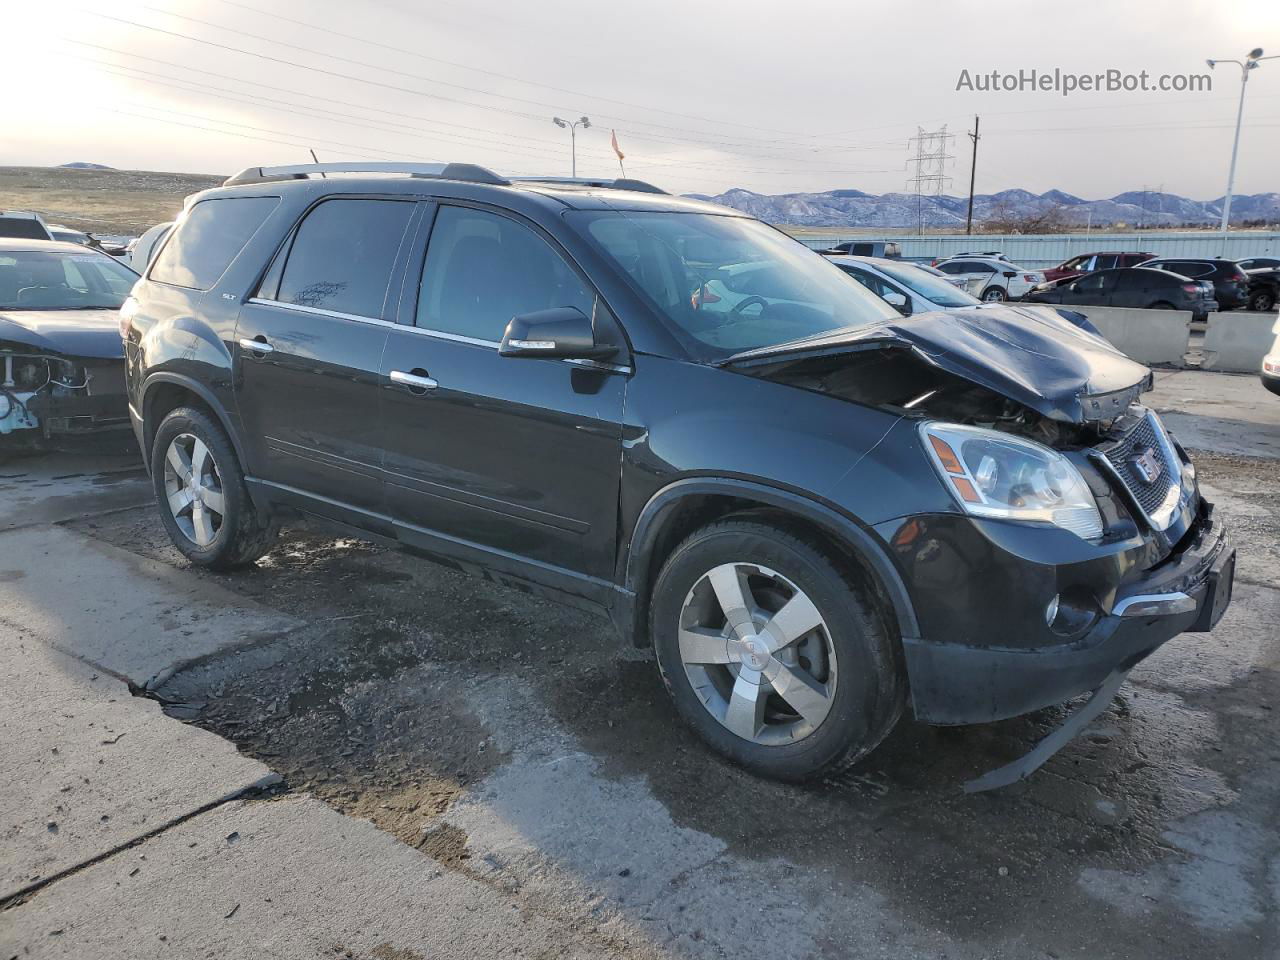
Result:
1065,560
45,395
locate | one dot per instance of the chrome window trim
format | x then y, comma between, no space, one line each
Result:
426,332
320,311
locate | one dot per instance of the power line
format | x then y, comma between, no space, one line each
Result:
490,73
234,96
631,132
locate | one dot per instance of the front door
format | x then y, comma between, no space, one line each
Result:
1094,289
309,353
512,463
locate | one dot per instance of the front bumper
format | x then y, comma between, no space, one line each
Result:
958,684
1271,373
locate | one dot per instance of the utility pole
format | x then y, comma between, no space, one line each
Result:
1249,63
973,169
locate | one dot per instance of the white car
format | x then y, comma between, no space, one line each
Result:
912,288
992,278
141,251
1271,363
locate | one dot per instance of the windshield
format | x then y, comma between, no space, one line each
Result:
928,285
728,284
36,280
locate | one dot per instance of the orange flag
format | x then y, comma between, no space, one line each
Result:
616,148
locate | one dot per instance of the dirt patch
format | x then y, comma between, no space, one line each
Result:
111,202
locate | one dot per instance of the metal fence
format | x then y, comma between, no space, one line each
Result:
1047,250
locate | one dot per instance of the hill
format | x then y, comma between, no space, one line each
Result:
1136,208
111,202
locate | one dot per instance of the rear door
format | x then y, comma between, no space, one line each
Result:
1131,288
512,463
309,352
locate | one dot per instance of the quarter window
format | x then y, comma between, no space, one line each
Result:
343,256
483,269
209,238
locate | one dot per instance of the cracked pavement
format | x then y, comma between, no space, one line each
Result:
350,752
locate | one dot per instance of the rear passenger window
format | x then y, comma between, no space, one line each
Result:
483,269
343,255
210,236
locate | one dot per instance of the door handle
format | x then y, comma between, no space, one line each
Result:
257,346
415,382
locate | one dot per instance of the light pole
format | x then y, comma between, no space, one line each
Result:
1249,63
573,125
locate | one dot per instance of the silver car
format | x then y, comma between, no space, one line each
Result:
909,287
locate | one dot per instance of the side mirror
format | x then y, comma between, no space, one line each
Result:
900,301
563,332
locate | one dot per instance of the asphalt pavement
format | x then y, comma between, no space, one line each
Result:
349,752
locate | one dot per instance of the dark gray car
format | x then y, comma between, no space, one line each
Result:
1142,287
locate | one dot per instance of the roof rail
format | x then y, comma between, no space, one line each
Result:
621,183
302,171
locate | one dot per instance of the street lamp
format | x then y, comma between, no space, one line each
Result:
1249,63
573,125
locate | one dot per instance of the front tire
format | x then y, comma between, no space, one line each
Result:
771,652
199,486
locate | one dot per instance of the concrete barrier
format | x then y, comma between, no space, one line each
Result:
1148,336
1237,341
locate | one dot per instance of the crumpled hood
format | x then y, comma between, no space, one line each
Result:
1029,354
70,333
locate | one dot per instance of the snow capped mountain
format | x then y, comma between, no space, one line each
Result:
854,208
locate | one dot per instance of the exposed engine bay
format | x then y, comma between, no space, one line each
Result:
45,394
899,378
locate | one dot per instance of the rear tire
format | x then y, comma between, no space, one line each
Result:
995,295
1263,301
786,709
200,489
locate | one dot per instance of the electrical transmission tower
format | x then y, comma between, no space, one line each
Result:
930,160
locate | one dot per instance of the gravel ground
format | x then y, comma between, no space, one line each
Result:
420,699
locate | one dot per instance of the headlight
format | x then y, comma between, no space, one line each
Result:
994,474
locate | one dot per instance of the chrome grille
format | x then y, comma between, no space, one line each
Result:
1138,454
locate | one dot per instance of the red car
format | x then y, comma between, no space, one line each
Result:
1089,262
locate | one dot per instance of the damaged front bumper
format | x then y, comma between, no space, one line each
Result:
1188,592
44,396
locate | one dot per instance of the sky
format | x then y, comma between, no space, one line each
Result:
703,95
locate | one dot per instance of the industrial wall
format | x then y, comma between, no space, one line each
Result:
1048,250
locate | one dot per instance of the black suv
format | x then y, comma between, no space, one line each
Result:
1230,282
815,509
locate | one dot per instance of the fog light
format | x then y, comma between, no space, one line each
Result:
1051,611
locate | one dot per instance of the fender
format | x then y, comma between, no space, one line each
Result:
861,543
200,390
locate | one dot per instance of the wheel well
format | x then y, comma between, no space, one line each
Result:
693,512
160,401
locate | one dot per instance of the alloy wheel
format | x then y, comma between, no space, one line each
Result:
993,295
193,488
757,653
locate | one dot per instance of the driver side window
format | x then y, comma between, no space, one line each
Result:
482,269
